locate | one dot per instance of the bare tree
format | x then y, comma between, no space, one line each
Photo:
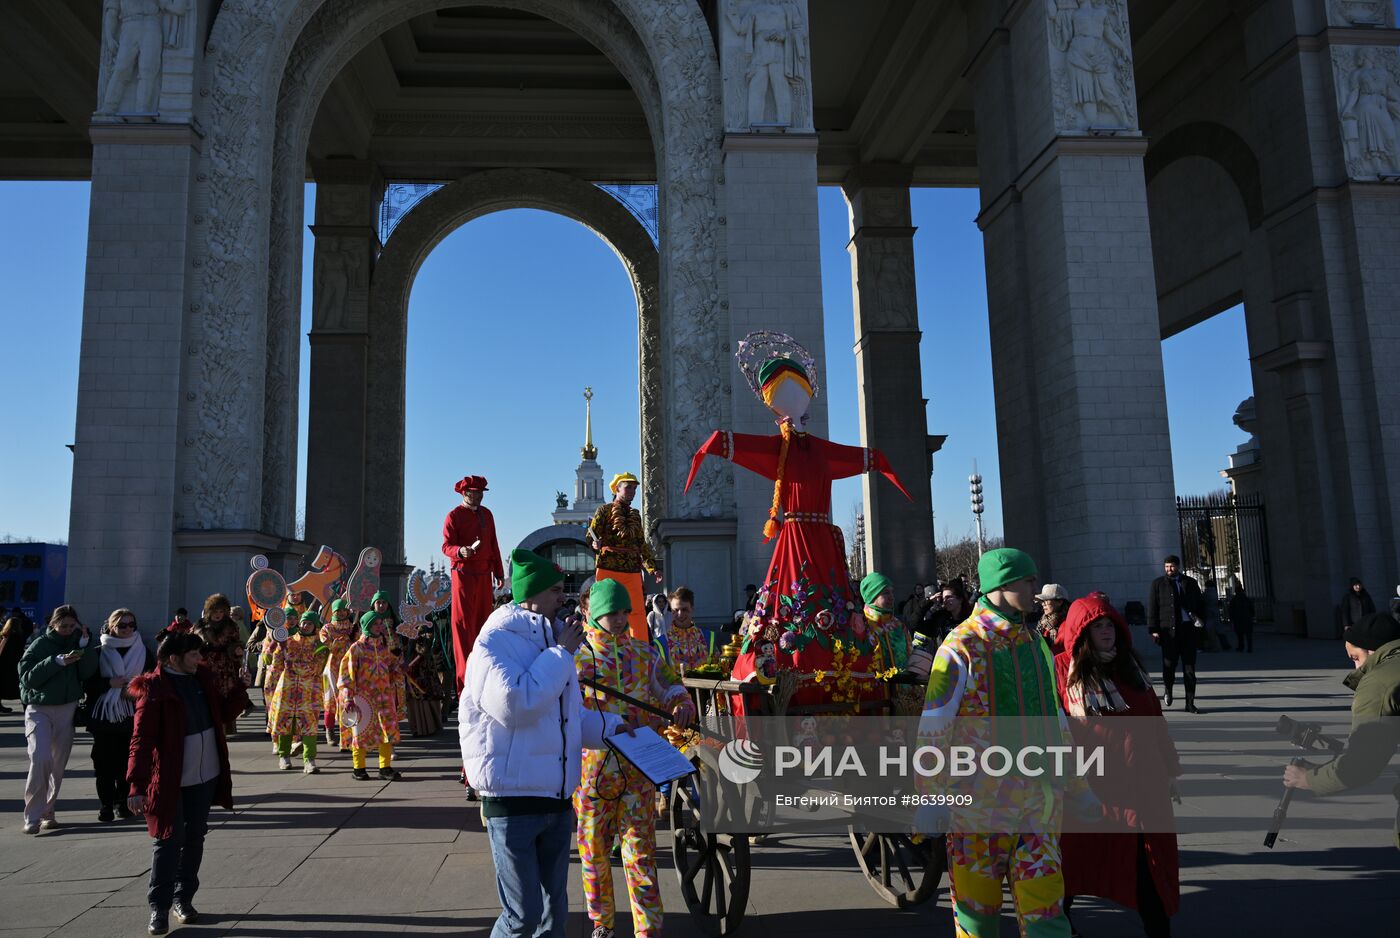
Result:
959,557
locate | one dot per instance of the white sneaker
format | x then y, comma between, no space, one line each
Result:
310,767
48,823
284,763
30,828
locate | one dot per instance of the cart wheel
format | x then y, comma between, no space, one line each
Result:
904,873
713,869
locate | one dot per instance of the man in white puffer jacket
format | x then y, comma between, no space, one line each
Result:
523,728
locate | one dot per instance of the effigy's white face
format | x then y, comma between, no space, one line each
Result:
791,402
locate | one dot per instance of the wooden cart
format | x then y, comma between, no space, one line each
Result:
714,868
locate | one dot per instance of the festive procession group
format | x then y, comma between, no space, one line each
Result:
542,685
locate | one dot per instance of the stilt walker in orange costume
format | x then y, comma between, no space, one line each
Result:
469,541
616,534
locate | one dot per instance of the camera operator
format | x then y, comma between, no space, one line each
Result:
1373,645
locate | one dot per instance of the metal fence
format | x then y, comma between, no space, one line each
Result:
1223,536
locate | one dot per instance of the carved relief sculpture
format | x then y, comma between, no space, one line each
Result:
135,34
1368,97
767,65
1091,65
1360,13
337,270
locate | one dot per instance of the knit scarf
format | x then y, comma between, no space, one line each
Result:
114,706
1083,699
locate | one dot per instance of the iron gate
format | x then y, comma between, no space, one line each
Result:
1224,536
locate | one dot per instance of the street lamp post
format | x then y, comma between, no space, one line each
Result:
974,485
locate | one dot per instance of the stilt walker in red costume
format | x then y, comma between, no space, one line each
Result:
469,541
806,619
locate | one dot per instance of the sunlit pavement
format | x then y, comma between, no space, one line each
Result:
325,855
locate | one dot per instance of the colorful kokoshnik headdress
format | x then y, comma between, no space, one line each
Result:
784,376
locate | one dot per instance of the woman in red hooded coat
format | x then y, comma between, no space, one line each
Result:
1133,862
178,768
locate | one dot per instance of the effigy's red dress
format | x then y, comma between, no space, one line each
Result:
806,605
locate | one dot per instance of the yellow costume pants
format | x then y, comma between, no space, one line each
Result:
386,756
979,863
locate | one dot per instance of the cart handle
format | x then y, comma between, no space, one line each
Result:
642,705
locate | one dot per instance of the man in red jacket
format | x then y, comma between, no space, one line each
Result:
469,541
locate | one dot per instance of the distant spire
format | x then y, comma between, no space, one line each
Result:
589,450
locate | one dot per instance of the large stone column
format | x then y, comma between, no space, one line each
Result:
1326,281
1086,469
892,420
348,193
772,254
131,365
137,370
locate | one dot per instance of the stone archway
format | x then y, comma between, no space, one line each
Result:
413,240
269,63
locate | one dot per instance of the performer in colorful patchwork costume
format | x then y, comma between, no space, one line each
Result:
294,705
990,666
371,680
887,631
685,646
615,798
806,617
337,635
623,553
469,541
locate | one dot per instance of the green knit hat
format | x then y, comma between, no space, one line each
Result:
872,586
310,616
607,597
531,574
1004,565
338,605
366,620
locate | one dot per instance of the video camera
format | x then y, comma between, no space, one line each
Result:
1309,738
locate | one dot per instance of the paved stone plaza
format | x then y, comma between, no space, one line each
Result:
322,855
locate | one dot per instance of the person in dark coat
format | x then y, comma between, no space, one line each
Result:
1175,620
12,638
1133,861
1356,603
180,716
122,657
1240,609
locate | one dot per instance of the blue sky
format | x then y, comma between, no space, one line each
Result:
512,315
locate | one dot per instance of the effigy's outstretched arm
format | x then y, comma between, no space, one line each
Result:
755,453
846,461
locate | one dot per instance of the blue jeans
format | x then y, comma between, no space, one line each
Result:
531,853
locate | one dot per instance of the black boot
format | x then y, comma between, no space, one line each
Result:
185,913
160,922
